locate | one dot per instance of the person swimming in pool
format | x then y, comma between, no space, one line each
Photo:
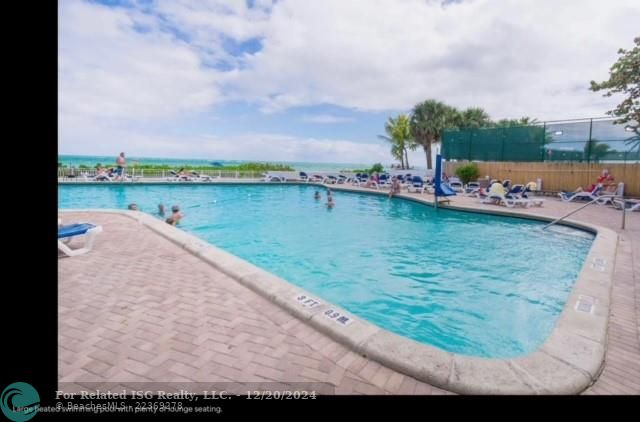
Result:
176,216
316,195
330,202
161,210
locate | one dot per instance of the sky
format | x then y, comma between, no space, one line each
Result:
301,80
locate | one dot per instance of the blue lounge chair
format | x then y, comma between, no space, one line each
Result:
417,185
66,233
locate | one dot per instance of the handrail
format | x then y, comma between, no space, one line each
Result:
578,209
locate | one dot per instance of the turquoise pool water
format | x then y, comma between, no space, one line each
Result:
467,283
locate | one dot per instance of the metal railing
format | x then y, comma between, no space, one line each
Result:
598,200
86,173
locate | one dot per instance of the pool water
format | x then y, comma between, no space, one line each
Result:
468,283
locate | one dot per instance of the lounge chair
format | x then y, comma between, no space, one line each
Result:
456,185
67,232
102,177
607,197
330,180
361,178
510,198
342,179
630,204
471,187
384,181
509,201
195,176
584,195
303,176
273,178
177,177
417,185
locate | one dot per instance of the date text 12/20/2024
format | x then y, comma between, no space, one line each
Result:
184,395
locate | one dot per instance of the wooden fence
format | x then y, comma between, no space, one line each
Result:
557,176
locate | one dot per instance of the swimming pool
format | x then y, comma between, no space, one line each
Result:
471,284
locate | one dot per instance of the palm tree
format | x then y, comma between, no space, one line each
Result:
595,150
473,118
634,140
523,121
396,152
428,120
399,135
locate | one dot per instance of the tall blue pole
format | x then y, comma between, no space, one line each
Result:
438,178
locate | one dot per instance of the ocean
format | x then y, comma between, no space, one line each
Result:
92,160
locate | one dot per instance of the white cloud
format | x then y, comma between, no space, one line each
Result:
125,72
513,57
325,118
109,69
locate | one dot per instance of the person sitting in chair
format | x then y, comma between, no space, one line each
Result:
497,188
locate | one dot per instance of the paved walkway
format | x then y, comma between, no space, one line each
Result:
138,308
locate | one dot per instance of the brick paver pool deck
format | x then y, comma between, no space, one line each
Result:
139,308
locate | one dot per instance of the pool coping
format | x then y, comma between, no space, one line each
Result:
568,362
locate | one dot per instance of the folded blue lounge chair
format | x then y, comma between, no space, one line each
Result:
66,233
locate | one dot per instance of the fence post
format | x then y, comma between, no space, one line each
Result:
589,141
501,147
544,139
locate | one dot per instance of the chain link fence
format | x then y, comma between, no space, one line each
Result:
596,140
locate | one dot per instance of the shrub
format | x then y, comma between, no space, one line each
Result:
468,173
376,168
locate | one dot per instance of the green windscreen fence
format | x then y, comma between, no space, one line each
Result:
593,140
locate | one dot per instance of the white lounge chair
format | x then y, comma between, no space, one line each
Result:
456,185
608,198
508,201
589,196
198,177
67,232
103,177
471,187
630,204
273,178
177,177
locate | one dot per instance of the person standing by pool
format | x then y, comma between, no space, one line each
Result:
395,187
121,163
